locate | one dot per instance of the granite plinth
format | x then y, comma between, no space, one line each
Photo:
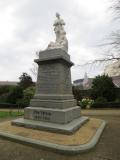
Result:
53,54
60,101
57,104
53,96
68,128
54,76
52,115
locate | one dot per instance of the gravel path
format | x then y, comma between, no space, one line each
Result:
107,149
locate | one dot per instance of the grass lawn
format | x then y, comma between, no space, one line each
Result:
5,114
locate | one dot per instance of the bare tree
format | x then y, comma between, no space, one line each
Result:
114,38
116,8
34,68
112,42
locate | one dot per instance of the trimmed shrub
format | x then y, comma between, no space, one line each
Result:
27,96
14,95
76,93
6,89
106,105
8,105
100,100
22,103
117,100
4,97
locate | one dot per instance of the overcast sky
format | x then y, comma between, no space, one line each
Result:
26,26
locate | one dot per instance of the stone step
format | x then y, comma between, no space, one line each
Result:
68,128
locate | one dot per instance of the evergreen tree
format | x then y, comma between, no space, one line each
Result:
25,81
103,86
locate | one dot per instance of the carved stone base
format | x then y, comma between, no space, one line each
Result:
52,115
68,128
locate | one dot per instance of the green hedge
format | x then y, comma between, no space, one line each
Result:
9,105
106,105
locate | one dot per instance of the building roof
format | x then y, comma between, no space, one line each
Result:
78,81
11,83
116,81
81,80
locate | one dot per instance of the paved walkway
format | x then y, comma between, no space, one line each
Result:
99,112
108,147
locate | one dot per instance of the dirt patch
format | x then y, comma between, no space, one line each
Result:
82,136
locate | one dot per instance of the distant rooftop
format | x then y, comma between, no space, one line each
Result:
11,83
116,81
81,80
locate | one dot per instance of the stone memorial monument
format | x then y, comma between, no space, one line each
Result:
53,107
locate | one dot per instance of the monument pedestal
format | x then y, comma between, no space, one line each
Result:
53,107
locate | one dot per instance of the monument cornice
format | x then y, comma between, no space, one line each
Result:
54,60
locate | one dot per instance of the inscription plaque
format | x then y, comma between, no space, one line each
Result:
41,115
